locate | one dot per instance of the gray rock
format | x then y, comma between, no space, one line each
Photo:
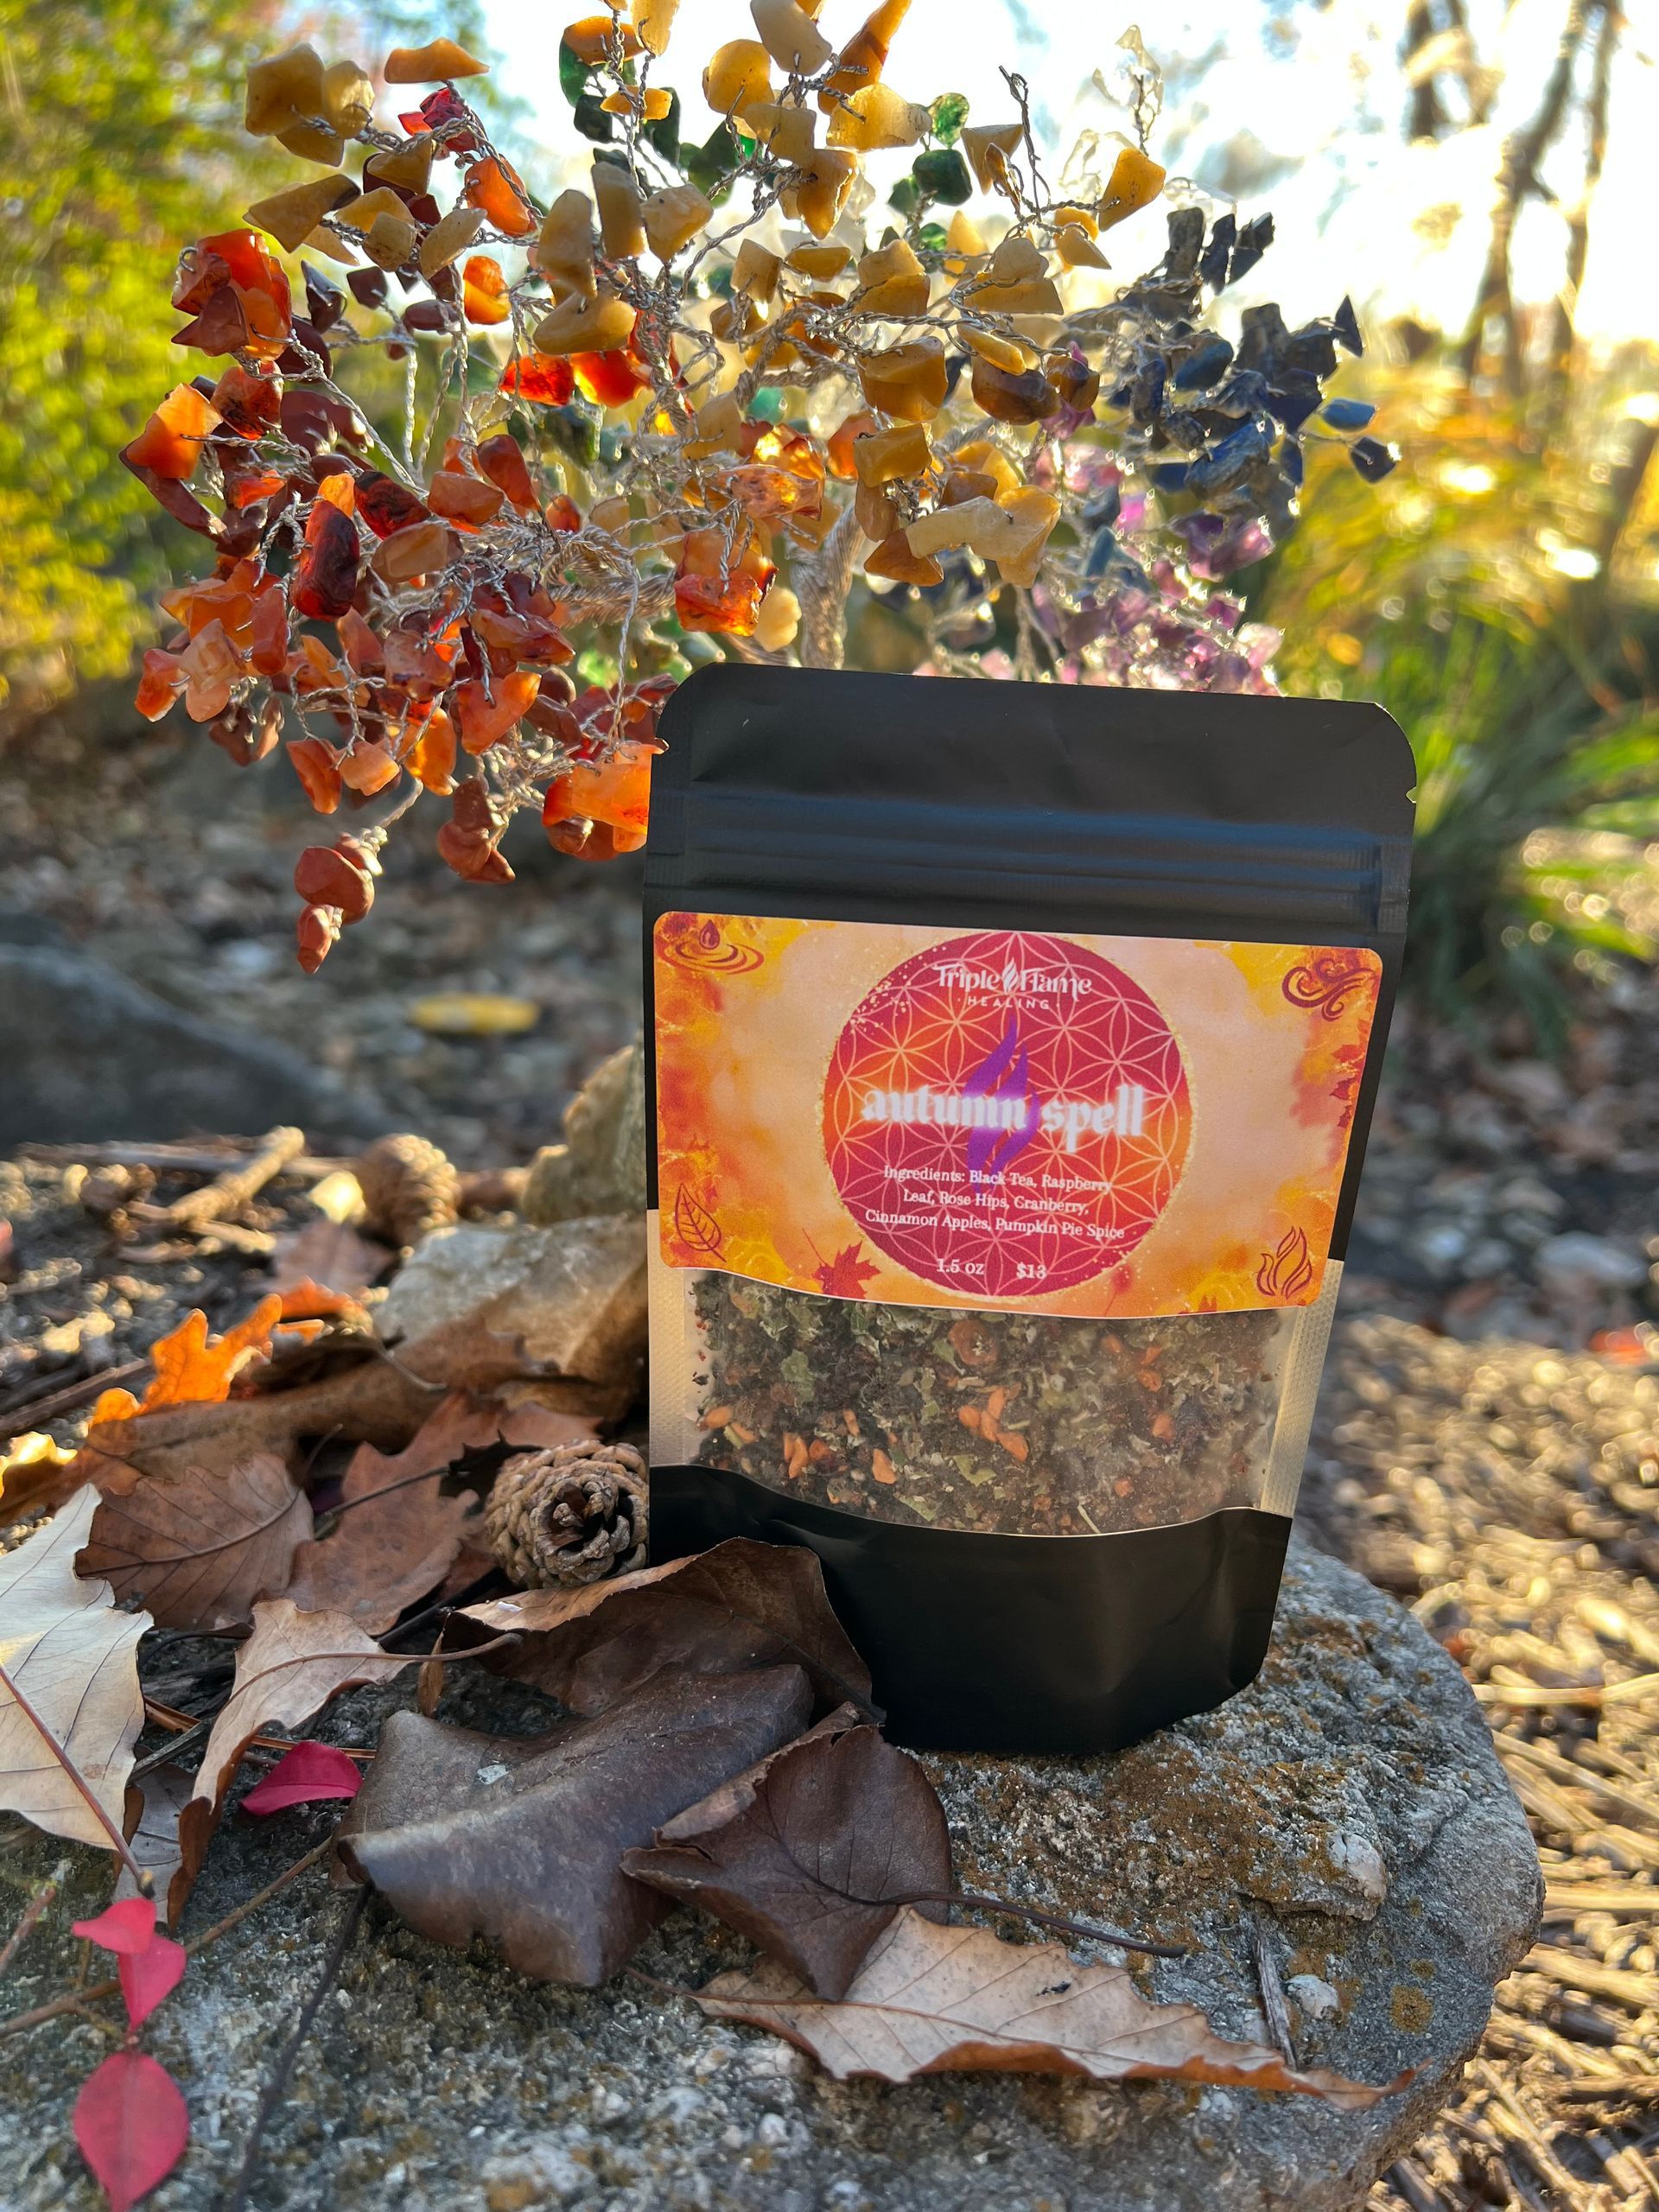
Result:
1349,1803
1577,1260
85,1054
576,1293
600,1165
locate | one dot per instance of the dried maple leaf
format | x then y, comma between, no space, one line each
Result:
520,1841
846,1275
197,1548
939,2000
812,1853
291,1665
741,1605
69,1689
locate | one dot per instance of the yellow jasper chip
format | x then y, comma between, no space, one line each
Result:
312,141
431,64
756,270
876,117
367,206
980,524
739,75
1030,515
1135,183
564,250
621,216
778,619
1077,249
986,458
906,381
988,146
410,164
790,37
450,236
816,196
348,97
1002,353
962,235
788,132
882,456
580,325
652,21
283,88
391,241
862,61
673,217
818,261
291,216
892,282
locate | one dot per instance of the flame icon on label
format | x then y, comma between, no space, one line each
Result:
1003,1074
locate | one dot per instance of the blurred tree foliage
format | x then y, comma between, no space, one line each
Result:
1497,594
124,126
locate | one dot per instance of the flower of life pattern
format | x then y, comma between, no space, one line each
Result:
1006,1114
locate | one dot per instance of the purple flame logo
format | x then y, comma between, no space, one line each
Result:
1004,1074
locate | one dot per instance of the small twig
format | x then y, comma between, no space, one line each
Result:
227,1193
276,2081
38,1405
1274,2011
118,1841
45,1892
58,2006
1088,1930
1635,1690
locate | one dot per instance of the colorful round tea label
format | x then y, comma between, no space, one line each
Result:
1006,1114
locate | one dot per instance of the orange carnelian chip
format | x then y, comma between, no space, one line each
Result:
561,512
317,766
431,758
502,462
170,444
248,400
464,499
368,768
615,790
495,185
545,378
608,379
160,685
484,290
483,720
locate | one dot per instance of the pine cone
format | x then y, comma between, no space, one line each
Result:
409,1186
570,1515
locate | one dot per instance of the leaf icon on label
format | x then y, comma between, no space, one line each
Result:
695,1225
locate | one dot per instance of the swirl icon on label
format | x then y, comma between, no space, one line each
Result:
1006,1114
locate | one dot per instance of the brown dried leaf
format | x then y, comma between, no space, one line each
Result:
741,1605
291,1665
72,1660
388,1551
520,1841
329,1253
937,2000
197,1548
802,1854
153,1808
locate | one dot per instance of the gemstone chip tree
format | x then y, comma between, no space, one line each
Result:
676,410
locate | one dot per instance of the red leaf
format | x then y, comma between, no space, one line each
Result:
127,1928
131,2125
304,1775
150,1974
845,1276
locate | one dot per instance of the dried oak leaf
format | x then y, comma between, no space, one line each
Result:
939,2000
198,1547
291,1665
741,1605
388,1551
810,1853
69,1689
520,1841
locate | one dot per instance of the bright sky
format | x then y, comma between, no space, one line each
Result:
1297,107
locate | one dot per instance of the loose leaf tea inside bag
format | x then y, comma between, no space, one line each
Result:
1015,1047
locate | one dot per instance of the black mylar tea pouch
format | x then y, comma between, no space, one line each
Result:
1014,1051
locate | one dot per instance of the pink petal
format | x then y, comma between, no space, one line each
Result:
302,1776
147,1976
128,1927
131,2125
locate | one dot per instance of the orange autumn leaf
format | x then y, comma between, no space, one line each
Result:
193,1368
